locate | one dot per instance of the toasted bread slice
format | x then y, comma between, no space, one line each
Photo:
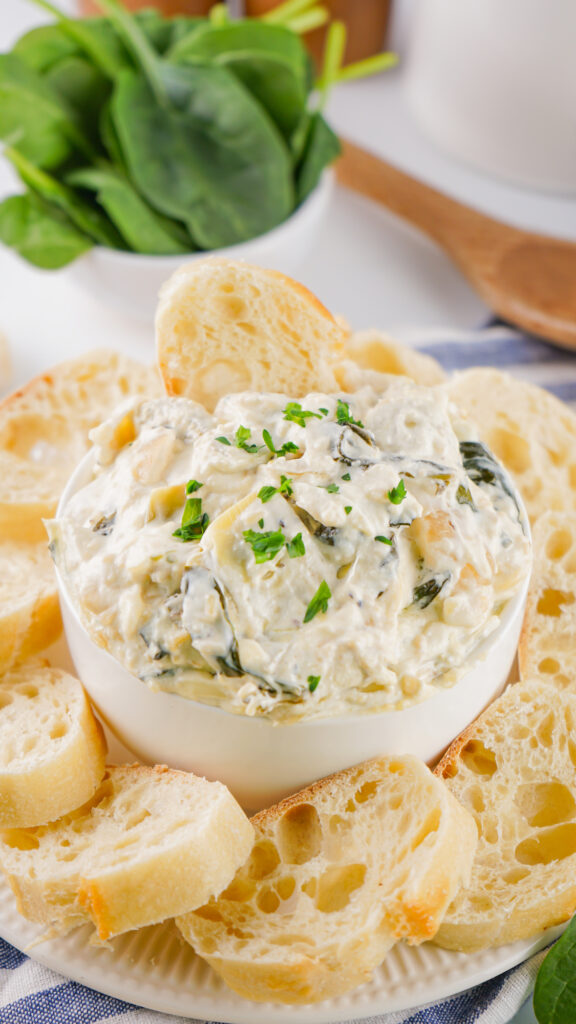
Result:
337,875
530,431
375,350
29,609
513,770
151,843
224,326
548,642
52,749
44,432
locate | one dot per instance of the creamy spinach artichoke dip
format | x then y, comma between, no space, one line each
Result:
293,558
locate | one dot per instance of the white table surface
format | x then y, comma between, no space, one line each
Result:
367,264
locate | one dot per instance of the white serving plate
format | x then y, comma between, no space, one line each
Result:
155,968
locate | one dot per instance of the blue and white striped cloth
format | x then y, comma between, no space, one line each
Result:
32,994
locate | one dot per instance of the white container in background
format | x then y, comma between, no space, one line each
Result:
494,83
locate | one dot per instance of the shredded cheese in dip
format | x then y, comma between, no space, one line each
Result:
293,558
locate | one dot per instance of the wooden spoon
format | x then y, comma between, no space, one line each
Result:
526,278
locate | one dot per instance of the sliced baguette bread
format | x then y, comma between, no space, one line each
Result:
514,770
530,431
29,609
52,749
338,873
375,350
224,326
548,642
150,844
44,432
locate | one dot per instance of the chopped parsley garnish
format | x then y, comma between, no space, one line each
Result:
324,412
346,476
267,492
287,447
313,682
295,547
397,494
343,414
347,509
224,440
319,602
242,435
332,488
265,545
261,524
384,540
296,414
194,520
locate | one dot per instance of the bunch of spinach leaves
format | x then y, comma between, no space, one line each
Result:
158,135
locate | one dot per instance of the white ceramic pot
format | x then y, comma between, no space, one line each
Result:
494,83
131,282
259,761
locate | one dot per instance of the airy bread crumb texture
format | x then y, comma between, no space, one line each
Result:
150,844
337,875
548,642
514,770
531,432
29,609
224,326
44,429
52,749
375,350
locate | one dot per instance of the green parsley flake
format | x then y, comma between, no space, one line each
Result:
265,493
343,414
319,602
346,476
242,435
296,414
265,545
313,682
192,486
384,540
224,440
397,494
332,488
347,509
295,547
324,412
261,524
463,497
194,520
287,447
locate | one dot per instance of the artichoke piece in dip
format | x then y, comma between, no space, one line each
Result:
293,558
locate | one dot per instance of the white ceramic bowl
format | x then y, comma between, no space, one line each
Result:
261,762
131,282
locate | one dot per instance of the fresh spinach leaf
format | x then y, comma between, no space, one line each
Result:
424,594
555,991
95,37
144,230
32,113
44,46
83,88
217,163
320,149
87,218
41,234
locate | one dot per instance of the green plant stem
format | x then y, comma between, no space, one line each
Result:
366,67
333,57
308,20
137,43
219,14
290,8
